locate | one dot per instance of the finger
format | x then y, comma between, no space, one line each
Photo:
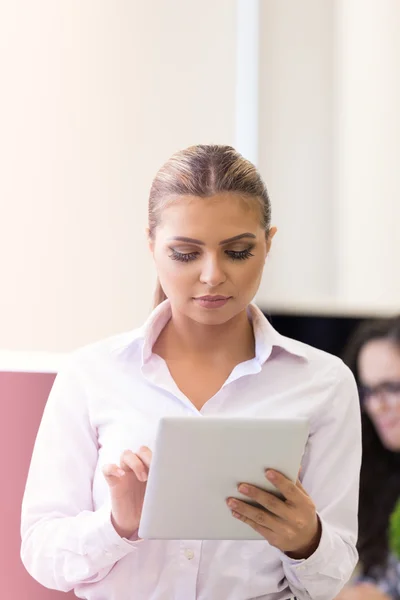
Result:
130,461
269,501
145,455
300,486
252,513
112,474
266,533
288,489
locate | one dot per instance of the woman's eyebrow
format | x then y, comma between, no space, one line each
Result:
238,237
235,238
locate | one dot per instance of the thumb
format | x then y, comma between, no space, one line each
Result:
112,474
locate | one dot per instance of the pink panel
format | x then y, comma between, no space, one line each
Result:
22,399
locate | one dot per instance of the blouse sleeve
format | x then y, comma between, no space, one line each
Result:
65,542
331,467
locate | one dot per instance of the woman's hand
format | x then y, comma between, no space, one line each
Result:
292,524
362,591
127,484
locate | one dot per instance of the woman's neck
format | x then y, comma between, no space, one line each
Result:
183,337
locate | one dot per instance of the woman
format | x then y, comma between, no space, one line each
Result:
374,357
206,350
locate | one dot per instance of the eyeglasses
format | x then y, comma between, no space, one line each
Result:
386,393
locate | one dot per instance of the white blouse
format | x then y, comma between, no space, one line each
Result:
110,397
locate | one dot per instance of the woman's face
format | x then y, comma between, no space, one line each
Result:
209,255
379,373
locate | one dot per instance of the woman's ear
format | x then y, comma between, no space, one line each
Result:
150,240
271,233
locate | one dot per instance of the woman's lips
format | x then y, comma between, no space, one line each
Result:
212,301
388,423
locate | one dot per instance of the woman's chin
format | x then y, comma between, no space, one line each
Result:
391,440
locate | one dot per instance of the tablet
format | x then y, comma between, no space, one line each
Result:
199,461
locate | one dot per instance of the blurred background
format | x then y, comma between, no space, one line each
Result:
96,95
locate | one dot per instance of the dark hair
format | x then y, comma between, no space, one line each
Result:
380,470
205,170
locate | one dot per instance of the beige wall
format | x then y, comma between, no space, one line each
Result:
95,96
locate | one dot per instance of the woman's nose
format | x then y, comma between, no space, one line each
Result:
378,402
212,272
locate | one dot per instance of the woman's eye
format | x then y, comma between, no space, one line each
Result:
240,254
189,256
183,256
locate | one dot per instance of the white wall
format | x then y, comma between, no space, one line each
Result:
329,152
95,97
296,132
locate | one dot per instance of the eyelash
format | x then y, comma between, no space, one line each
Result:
188,257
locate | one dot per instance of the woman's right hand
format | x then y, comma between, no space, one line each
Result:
127,484
362,591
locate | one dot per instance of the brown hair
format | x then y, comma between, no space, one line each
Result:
203,171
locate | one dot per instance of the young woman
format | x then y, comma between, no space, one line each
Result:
374,357
205,350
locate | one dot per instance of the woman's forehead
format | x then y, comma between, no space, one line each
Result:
379,360
219,211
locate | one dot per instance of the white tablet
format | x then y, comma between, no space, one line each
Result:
198,463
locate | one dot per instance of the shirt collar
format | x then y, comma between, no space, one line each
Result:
266,337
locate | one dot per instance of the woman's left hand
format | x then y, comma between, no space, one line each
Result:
291,524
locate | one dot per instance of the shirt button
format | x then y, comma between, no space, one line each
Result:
189,554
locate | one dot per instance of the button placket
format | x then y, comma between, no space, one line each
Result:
188,570
189,553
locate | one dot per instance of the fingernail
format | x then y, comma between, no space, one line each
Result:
271,475
244,489
232,504
121,472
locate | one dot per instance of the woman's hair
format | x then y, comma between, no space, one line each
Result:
204,171
380,469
